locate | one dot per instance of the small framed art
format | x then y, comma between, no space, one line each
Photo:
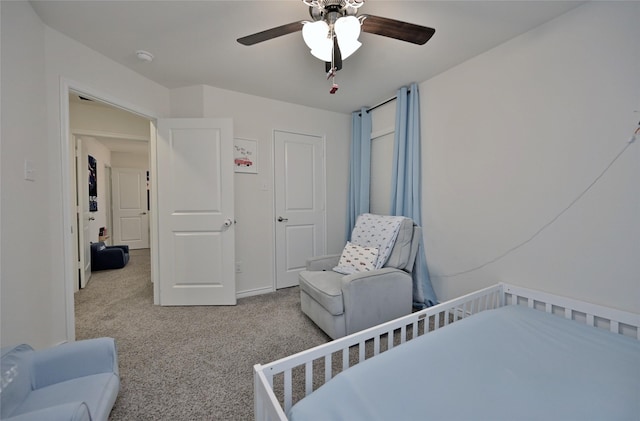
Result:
245,155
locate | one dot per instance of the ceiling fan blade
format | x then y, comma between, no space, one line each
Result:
268,34
392,28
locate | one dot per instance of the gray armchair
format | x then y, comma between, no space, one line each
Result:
343,304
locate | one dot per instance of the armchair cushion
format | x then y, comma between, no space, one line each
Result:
325,287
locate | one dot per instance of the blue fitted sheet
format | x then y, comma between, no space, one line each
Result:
511,363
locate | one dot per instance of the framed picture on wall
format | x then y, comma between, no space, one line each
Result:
93,185
245,155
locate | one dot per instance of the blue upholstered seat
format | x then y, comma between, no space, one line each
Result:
73,381
108,257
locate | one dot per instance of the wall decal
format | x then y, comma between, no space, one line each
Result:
93,185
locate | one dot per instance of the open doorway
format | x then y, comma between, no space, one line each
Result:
113,136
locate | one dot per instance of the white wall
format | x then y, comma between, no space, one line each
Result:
25,282
130,160
257,118
383,121
513,136
34,60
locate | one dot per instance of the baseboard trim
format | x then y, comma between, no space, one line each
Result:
252,292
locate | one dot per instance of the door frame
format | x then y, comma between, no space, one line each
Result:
67,86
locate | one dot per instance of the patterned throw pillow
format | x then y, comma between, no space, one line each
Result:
356,258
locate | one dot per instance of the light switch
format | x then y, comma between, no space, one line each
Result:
29,171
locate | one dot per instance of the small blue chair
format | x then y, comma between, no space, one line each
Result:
72,381
108,257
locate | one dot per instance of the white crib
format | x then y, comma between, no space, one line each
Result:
280,384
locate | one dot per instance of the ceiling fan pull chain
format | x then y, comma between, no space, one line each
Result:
334,69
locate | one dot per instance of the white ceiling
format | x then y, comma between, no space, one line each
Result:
194,42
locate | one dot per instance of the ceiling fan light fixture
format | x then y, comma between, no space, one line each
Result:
323,54
348,47
316,34
347,31
348,27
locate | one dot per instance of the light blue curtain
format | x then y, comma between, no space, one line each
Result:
406,184
359,167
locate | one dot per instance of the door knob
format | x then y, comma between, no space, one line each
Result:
281,219
228,222
143,213
91,218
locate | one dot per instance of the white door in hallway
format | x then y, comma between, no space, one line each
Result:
83,215
299,203
195,212
130,214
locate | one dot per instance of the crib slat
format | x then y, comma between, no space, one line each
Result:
345,358
568,313
590,320
287,390
327,368
376,345
308,378
361,352
614,326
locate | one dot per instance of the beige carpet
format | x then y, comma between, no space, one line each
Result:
188,363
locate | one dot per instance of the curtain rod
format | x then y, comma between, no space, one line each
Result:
386,101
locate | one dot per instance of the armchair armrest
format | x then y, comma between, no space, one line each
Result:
123,247
73,411
75,359
375,297
327,262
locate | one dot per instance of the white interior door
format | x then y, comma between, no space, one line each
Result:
130,215
300,203
195,212
83,215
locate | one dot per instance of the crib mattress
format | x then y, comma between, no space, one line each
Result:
511,363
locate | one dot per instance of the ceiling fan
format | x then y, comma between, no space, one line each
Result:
333,33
